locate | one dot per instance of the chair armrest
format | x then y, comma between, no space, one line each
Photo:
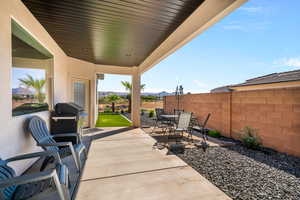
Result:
66,136
66,144
57,144
28,178
34,155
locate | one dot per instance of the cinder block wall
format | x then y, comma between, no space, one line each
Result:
218,104
275,113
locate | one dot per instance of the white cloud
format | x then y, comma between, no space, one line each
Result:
202,87
246,26
234,27
251,9
290,62
200,84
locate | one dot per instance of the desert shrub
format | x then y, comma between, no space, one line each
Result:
107,109
151,113
214,133
249,137
143,111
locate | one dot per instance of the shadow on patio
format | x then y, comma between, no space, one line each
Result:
123,164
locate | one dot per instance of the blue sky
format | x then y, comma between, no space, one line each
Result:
19,73
259,38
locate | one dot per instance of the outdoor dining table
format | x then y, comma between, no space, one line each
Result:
169,117
172,117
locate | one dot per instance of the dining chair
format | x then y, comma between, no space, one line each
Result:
160,122
182,126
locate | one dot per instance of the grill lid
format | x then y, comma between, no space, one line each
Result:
68,108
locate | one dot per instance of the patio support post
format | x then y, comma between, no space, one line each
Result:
136,98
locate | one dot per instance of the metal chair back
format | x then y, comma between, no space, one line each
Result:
178,112
6,172
206,120
39,131
184,120
159,112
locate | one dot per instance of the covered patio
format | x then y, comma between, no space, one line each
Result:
88,38
124,164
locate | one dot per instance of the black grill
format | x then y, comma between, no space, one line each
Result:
66,118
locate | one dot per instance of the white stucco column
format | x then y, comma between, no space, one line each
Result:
93,100
136,98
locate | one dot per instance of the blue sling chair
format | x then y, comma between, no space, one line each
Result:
39,131
40,185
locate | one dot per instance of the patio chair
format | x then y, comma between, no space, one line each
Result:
161,122
38,185
39,131
177,112
195,125
182,126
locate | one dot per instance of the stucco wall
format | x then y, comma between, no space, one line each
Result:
84,70
275,113
13,140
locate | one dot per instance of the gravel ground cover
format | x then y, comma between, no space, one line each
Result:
245,174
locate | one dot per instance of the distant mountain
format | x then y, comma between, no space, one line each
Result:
106,93
21,91
158,94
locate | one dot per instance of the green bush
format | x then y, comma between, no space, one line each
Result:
151,113
214,133
249,137
107,109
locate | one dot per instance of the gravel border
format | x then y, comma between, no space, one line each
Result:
242,173
248,174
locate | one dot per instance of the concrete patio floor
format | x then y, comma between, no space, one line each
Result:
122,164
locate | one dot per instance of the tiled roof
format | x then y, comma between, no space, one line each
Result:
221,89
272,78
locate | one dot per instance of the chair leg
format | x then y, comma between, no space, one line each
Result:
75,157
62,192
155,125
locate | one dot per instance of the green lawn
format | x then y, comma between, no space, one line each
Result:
111,120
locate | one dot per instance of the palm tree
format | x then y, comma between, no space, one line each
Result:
113,98
128,87
36,84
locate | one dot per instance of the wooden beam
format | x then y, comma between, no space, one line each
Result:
109,69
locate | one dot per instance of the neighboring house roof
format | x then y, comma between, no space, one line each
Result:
272,78
221,89
267,79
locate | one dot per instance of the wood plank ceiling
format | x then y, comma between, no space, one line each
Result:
111,32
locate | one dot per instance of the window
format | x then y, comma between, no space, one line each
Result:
31,74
